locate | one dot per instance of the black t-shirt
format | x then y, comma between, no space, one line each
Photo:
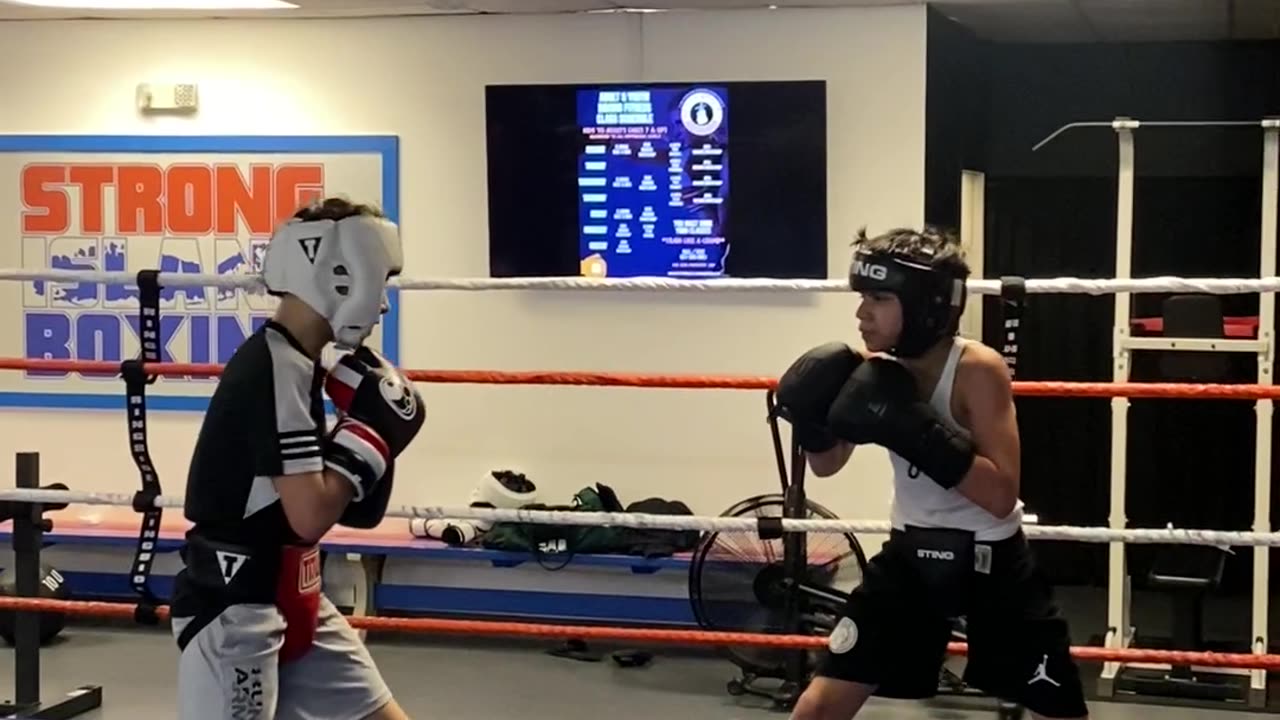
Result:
265,419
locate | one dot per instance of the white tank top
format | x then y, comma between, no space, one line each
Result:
921,502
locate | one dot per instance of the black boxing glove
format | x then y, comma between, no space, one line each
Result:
806,390
879,405
379,414
366,387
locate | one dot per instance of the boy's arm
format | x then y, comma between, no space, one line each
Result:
994,480
287,445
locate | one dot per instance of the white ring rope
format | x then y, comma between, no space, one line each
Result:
644,521
1063,285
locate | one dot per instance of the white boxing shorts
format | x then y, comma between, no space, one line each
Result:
230,671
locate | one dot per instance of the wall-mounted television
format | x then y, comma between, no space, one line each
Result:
679,180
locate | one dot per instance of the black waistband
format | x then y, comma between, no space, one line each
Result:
990,556
220,574
216,576
237,573
1015,541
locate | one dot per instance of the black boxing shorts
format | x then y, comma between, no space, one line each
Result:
894,631
944,563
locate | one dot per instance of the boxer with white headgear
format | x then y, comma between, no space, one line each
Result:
269,478
339,268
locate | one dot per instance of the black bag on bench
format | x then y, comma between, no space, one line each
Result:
659,542
562,542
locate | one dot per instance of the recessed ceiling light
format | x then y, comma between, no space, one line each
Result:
158,4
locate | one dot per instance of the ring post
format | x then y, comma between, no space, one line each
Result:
28,538
1263,407
1118,628
1119,631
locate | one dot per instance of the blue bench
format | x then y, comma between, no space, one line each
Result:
593,588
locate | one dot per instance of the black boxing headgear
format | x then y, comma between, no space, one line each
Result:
932,298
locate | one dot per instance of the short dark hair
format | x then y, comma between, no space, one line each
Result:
335,208
931,245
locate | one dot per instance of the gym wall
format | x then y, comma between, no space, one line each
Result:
423,79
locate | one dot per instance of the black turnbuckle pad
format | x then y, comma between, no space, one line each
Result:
146,613
145,500
1013,297
134,373
1013,288
769,528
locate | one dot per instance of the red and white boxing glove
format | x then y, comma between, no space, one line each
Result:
379,414
358,453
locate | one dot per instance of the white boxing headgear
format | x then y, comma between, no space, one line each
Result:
505,490
337,267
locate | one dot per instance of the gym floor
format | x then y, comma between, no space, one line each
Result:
493,679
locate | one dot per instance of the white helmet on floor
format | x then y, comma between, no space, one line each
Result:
336,257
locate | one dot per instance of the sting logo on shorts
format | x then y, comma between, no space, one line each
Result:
927,554
309,573
246,694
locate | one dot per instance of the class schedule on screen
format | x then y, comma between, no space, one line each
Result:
653,181
632,179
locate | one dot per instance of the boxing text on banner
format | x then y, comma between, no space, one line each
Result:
193,205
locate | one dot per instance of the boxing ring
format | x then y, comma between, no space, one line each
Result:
149,610
1115,653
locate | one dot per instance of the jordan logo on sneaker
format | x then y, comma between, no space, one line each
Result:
1042,673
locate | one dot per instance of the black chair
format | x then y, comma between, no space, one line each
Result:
1194,316
1189,574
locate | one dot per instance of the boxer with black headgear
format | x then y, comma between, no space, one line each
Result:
942,406
268,479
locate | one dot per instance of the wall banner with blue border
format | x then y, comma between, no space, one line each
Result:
189,204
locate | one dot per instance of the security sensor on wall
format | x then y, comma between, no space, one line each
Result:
168,98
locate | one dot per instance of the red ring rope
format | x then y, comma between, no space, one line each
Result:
692,382
658,636
681,637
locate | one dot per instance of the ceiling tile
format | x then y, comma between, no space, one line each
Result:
1255,19
1021,20
1001,20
